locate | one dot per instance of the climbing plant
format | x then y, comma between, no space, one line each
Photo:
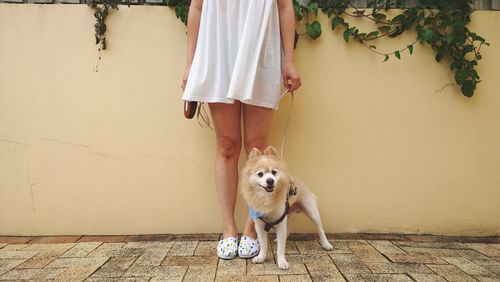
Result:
441,24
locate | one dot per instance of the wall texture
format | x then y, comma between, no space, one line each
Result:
387,147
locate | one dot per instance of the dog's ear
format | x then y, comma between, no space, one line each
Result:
254,153
270,151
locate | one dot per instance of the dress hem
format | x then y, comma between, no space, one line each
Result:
231,101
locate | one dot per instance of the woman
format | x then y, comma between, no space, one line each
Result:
238,54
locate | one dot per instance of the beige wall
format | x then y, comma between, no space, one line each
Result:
385,146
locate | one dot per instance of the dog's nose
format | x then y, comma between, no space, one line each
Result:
270,181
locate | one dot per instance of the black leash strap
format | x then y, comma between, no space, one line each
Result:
270,225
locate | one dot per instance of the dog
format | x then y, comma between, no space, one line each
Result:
272,194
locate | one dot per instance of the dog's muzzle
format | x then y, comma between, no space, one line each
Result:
269,188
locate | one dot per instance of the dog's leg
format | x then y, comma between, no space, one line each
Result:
311,208
281,234
262,236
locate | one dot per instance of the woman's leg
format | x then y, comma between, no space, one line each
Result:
227,118
256,126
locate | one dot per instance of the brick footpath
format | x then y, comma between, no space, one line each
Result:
355,257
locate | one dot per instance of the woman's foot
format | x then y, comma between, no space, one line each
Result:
249,244
248,247
227,247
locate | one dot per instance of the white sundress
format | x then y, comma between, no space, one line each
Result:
238,54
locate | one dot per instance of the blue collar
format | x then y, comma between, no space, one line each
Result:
255,214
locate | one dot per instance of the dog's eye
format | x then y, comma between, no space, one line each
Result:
274,172
260,174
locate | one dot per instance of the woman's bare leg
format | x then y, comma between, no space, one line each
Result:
227,118
256,126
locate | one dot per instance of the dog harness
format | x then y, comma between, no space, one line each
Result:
259,215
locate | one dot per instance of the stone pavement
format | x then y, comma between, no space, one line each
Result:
355,257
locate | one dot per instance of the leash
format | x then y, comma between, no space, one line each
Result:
204,119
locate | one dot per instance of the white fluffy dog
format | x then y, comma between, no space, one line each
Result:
272,194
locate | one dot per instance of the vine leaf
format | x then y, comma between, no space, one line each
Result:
397,54
410,48
386,58
314,29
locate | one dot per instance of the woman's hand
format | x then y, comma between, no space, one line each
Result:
185,76
291,78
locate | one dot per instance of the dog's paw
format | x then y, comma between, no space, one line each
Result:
326,245
282,263
259,259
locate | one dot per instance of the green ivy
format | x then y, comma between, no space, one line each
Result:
442,24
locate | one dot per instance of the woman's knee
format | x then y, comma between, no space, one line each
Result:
228,147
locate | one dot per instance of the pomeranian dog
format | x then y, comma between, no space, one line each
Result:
272,194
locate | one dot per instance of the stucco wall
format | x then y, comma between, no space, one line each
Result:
385,146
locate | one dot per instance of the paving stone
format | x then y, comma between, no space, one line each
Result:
153,257
74,273
162,271
485,249
241,278
290,247
114,250
416,258
295,278
15,239
436,245
428,238
81,249
268,268
114,267
236,266
385,237
201,273
308,258
49,247
14,247
492,268
487,279
197,237
53,239
150,245
183,248
41,259
365,277
340,247
496,246
386,247
451,273
419,277
323,271
349,263
147,237
343,236
25,274
467,266
206,248
367,253
309,247
17,254
396,267
190,261
127,279
105,239
168,273
77,262
8,264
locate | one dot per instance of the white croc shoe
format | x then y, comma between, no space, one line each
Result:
248,247
227,248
